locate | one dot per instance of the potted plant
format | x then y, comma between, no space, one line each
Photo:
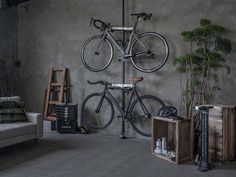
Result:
206,56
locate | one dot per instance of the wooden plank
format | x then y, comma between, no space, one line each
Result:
54,102
231,134
178,126
225,133
154,135
171,137
56,84
61,95
185,138
56,69
222,133
48,93
51,118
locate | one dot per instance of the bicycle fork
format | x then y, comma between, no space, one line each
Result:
147,114
100,103
100,45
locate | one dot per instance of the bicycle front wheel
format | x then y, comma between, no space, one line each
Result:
97,112
141,121
149,52
97,53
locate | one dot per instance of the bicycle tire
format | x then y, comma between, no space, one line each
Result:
136,114
94,120
96,62
149,61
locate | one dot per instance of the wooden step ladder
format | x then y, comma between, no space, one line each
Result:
55,92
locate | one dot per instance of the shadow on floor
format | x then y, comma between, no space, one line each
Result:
19,153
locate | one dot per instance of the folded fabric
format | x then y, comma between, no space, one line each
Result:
12,98
12,111
12,104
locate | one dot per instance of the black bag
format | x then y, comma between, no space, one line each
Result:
67,118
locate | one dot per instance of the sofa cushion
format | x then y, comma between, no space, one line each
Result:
12,98
12,104
16,129
8,115
12,111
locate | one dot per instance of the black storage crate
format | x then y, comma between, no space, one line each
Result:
67,118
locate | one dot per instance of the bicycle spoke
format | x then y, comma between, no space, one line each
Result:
138,53
99,48
140,120
97,113
97,53
155,55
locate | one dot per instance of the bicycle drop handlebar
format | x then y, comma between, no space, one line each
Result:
103,25
99,82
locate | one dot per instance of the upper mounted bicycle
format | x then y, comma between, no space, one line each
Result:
147,51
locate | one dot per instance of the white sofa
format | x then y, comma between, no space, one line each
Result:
12,133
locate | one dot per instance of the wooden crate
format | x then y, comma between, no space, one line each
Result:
179,135
222,133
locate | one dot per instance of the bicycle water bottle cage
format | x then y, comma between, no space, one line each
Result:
167,111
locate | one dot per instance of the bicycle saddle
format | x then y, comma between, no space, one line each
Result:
143,15
136,79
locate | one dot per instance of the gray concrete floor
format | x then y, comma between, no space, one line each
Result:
94,155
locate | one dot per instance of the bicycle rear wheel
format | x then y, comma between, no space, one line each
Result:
97,53
149,52
140,121
94,118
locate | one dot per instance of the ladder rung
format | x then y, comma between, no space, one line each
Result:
51,118
53,102
56,84
54,87
58,69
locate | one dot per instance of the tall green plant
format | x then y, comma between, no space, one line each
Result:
207,49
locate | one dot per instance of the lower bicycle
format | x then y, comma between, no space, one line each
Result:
98,108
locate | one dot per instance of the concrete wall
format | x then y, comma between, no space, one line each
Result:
53,31
7,49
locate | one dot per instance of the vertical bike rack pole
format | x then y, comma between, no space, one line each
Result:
122,135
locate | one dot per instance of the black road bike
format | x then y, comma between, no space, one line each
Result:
147,51
98,108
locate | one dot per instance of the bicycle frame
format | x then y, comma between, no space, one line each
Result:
133,36
123,113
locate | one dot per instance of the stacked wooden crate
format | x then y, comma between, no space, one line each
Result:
179,136
222,133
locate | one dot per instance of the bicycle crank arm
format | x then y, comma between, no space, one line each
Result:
142,117
124,59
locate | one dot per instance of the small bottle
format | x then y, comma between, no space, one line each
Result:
158,147
163,148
